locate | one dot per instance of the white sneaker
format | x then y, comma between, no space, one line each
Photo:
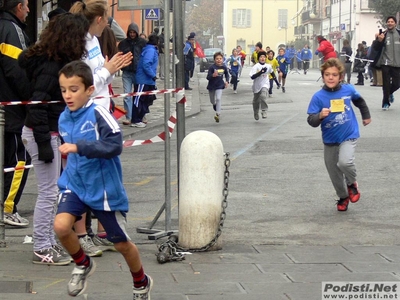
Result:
235,92
270,95
264,114
138,125
143,293
88,246
15,220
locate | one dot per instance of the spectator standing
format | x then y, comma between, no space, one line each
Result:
291,53
92,179
388,59
61,42
95,11
188,52
161,54
299,60
346,54
133,44
146,76
331,108
14,87
306,56
325,48
359,64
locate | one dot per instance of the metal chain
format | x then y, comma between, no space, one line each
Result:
171,251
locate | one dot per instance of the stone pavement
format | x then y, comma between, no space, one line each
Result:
242,271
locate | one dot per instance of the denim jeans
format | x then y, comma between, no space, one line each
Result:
46,175
128,81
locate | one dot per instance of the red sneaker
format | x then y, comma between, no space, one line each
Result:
342,204
354,193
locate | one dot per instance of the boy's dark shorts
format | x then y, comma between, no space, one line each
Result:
114,222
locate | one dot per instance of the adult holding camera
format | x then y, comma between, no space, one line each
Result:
388,59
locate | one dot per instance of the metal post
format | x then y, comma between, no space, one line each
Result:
167,142
179,21
2,226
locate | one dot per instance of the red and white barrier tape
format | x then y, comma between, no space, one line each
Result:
160,137
155,92
6,170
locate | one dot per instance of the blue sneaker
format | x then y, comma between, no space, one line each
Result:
391,98
385,107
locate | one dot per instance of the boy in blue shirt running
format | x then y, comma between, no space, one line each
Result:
92,179
331,107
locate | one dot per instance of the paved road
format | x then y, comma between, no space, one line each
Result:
282,236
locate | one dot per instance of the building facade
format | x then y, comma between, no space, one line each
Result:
297,22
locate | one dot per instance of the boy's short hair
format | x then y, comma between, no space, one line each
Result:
80,69
219,53
281,48
333,62
261,53
391,17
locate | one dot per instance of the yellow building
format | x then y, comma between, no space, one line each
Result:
271,22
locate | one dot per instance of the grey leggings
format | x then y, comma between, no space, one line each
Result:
215,99
47,175
339,162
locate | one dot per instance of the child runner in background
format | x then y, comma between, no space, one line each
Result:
234,64
260,74
216,84
331,107
242,55
283,68
274,64
92,179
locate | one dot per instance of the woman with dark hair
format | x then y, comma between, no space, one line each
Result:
61,42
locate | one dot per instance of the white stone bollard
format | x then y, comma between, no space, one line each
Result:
200,189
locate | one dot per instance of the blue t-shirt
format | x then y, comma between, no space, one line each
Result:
337,127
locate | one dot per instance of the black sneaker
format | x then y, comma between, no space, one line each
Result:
283,89
215,107
77,284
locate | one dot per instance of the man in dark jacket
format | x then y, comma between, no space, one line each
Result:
387,58
161,54
134,44
14,87
188,52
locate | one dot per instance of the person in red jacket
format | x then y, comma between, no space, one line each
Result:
325,48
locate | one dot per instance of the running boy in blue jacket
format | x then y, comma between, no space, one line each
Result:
92,179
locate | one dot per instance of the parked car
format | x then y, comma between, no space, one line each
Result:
208,60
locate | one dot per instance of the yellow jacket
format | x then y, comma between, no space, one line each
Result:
274,64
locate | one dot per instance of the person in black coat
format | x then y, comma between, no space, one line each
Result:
61,42
14,87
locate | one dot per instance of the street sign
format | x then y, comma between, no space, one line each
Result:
139,4
342,27
152,14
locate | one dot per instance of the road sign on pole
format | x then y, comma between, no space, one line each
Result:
152,14
139,4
